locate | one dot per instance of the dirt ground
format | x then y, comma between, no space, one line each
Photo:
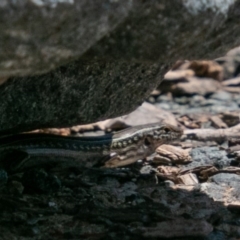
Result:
189,190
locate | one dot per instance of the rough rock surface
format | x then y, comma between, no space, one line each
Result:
187,190
77,93
39,35
119,46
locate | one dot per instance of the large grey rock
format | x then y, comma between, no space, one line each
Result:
38,35
80,92
122,49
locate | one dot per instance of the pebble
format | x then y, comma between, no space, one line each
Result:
39,181
232,180
208,156
222,96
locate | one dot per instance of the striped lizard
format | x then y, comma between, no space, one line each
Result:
126,146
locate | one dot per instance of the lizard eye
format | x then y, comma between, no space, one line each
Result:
167,129
146,142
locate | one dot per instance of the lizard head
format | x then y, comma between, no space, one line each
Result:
159,135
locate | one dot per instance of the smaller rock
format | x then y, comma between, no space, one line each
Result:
226,179
15,187
39,181
208,156
213,191
222,96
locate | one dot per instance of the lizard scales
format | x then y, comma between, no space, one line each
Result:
129,144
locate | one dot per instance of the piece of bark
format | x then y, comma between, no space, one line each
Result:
196,117
56,131
231,169
187,179
166,154
233,82
196,144
155,93
206,68
235,148
199,68
195,120
184,187
230,118
189,121
232,89
192,85
217,121
212,134
203,172
178,74
167,173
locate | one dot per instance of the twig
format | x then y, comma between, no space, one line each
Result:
212,134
